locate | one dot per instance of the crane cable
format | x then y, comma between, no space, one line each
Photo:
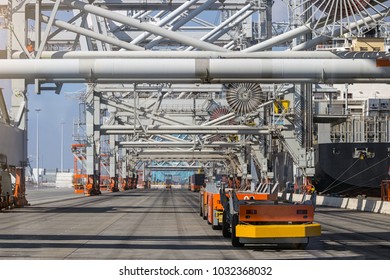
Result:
354,187
328,188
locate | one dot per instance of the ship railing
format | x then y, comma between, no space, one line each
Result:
362,129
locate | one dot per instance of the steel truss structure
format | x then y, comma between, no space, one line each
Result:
158,73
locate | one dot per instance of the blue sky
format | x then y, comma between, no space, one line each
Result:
54,110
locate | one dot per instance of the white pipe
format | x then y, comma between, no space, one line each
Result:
219,120
225,23
165,4
183,21
165,20
175,144
187,157
142,25
198,70
89,33
176,168
282,38
181,152
131,109
226,30
183,127
177,54
183,131
152,130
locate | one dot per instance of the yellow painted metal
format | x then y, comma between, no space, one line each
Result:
219,216
281,106
278,231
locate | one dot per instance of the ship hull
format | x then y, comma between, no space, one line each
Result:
347,169
351,168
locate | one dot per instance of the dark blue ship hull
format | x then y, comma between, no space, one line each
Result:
346,169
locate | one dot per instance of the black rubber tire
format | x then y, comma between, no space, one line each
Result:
200,206
301,246
216,227
225,226
205,212
235,240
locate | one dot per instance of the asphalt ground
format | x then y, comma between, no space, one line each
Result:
165,224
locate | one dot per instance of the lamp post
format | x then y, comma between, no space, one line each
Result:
37,110
62,146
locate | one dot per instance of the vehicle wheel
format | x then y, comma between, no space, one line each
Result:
205,214
225,226
235,240
216,227
301,246
200,206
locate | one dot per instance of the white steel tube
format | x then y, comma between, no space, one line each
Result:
188,156
101,37
199,70
219,120
218,131
143,25
184,127
282,38
170,55
183,21
181,152
226,30
175,144
225,23
183,131
165,20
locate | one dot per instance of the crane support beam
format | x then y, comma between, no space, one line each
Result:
176,145
148,27
3,109
118,5
174,168
152,130
89,33
182,21
189,156
200,70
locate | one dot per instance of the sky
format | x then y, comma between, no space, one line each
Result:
55,109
